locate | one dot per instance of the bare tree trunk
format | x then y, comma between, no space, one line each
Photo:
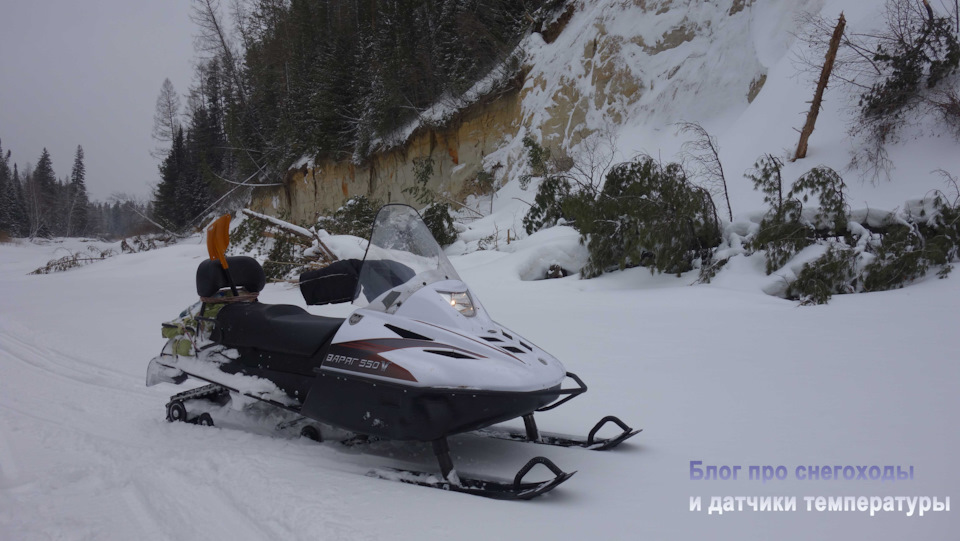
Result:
821,86
206,16
307,237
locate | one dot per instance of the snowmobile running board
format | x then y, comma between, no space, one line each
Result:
532,435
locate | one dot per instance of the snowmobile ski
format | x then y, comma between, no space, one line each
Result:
488,488
563,440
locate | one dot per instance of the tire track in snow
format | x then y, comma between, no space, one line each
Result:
9,472
61,390
134,499
202,507
75,370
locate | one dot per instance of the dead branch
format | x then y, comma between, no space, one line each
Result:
705,153
307,237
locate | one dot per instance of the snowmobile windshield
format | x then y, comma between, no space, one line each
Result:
402,257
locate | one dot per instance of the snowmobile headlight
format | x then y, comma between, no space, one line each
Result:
461,301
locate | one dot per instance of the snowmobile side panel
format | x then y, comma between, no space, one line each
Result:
253,361
442,354
296,386
401,412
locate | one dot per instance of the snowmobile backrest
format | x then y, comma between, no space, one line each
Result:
337,282
244,270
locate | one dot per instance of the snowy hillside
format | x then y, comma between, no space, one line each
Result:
622,75
719,373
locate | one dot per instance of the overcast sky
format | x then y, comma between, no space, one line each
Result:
88,73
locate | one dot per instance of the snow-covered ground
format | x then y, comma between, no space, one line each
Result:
720,373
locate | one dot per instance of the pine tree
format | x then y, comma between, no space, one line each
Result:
203,159
115,219
6,204
166,118
20,218
43,184
60,214
77,220
172,176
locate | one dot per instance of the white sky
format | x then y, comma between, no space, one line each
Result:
88,73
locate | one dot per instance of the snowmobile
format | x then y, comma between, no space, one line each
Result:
419,359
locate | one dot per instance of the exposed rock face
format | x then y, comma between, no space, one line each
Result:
606,85
457,150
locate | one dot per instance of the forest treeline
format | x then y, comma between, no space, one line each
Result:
282,79
36,203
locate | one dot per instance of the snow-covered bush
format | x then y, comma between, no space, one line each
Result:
439,221
907,68
547,208
646,214
436,215
903,249
909,250
918,50
554,188
355,217
834,272
786,228
782,232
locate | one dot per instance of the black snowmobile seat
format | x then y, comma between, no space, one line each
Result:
282,328
244,270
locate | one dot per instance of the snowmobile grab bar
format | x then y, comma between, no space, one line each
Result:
518,480
572,392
